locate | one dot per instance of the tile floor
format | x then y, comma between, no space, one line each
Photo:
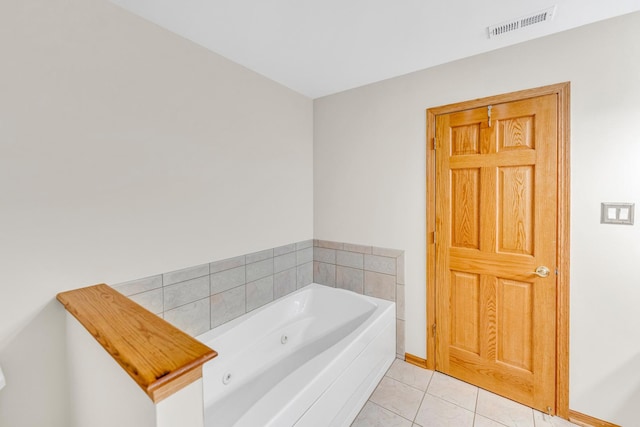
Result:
408,396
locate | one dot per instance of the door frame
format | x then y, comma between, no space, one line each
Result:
562,90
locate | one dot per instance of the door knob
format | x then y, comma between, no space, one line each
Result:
542,271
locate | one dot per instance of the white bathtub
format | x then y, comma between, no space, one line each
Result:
311,359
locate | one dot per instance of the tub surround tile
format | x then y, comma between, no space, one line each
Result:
400,270
397,397
151,300
351,247
391,253
205,296
373,415
329,244
324,274
324,255
304,256
285,282
227,279
304,274
260,269
226,264
140,285
400,302
259,293
185,274
380,285
400,338
410,375
284,262
227,305
350,259
380,264
192,318
350,278
281,250
453,390
371,270
259,256
435,412
304,244
185,292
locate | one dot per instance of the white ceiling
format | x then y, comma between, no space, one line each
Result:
320,47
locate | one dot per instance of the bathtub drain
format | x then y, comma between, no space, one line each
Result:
226,378
284,339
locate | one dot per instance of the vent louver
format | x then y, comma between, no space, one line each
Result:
522,22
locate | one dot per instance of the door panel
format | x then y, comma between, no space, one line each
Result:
496,196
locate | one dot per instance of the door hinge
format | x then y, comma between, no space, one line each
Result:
434,144
433,329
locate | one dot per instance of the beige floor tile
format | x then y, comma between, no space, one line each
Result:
453,390
410,374
543,420
435,412
481,421
503,410
397,397
373,415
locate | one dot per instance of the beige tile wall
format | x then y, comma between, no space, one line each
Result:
368,270
199,298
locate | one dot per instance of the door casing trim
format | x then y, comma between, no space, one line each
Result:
562,90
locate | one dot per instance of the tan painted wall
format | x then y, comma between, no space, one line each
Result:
126,151
369,186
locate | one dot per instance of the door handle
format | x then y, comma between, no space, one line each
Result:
542,271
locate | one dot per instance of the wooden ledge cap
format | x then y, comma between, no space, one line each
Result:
158,356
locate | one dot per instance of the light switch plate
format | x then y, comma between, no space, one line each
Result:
616,213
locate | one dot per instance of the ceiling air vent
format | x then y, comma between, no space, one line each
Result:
524,21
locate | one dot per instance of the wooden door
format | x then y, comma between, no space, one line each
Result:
496,223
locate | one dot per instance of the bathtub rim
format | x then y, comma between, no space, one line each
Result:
212,334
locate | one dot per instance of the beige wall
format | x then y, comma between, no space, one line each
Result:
126,151
369,186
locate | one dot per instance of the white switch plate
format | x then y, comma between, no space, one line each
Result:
616,213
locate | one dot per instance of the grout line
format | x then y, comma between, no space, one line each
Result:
421,401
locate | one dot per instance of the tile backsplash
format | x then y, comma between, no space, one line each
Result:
199,298
368,270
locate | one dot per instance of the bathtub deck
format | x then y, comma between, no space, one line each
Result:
409,396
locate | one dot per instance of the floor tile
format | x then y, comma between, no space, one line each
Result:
400,399
503,410
397,397
435,412
453,390
373,415
410,374
544,420
481,421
